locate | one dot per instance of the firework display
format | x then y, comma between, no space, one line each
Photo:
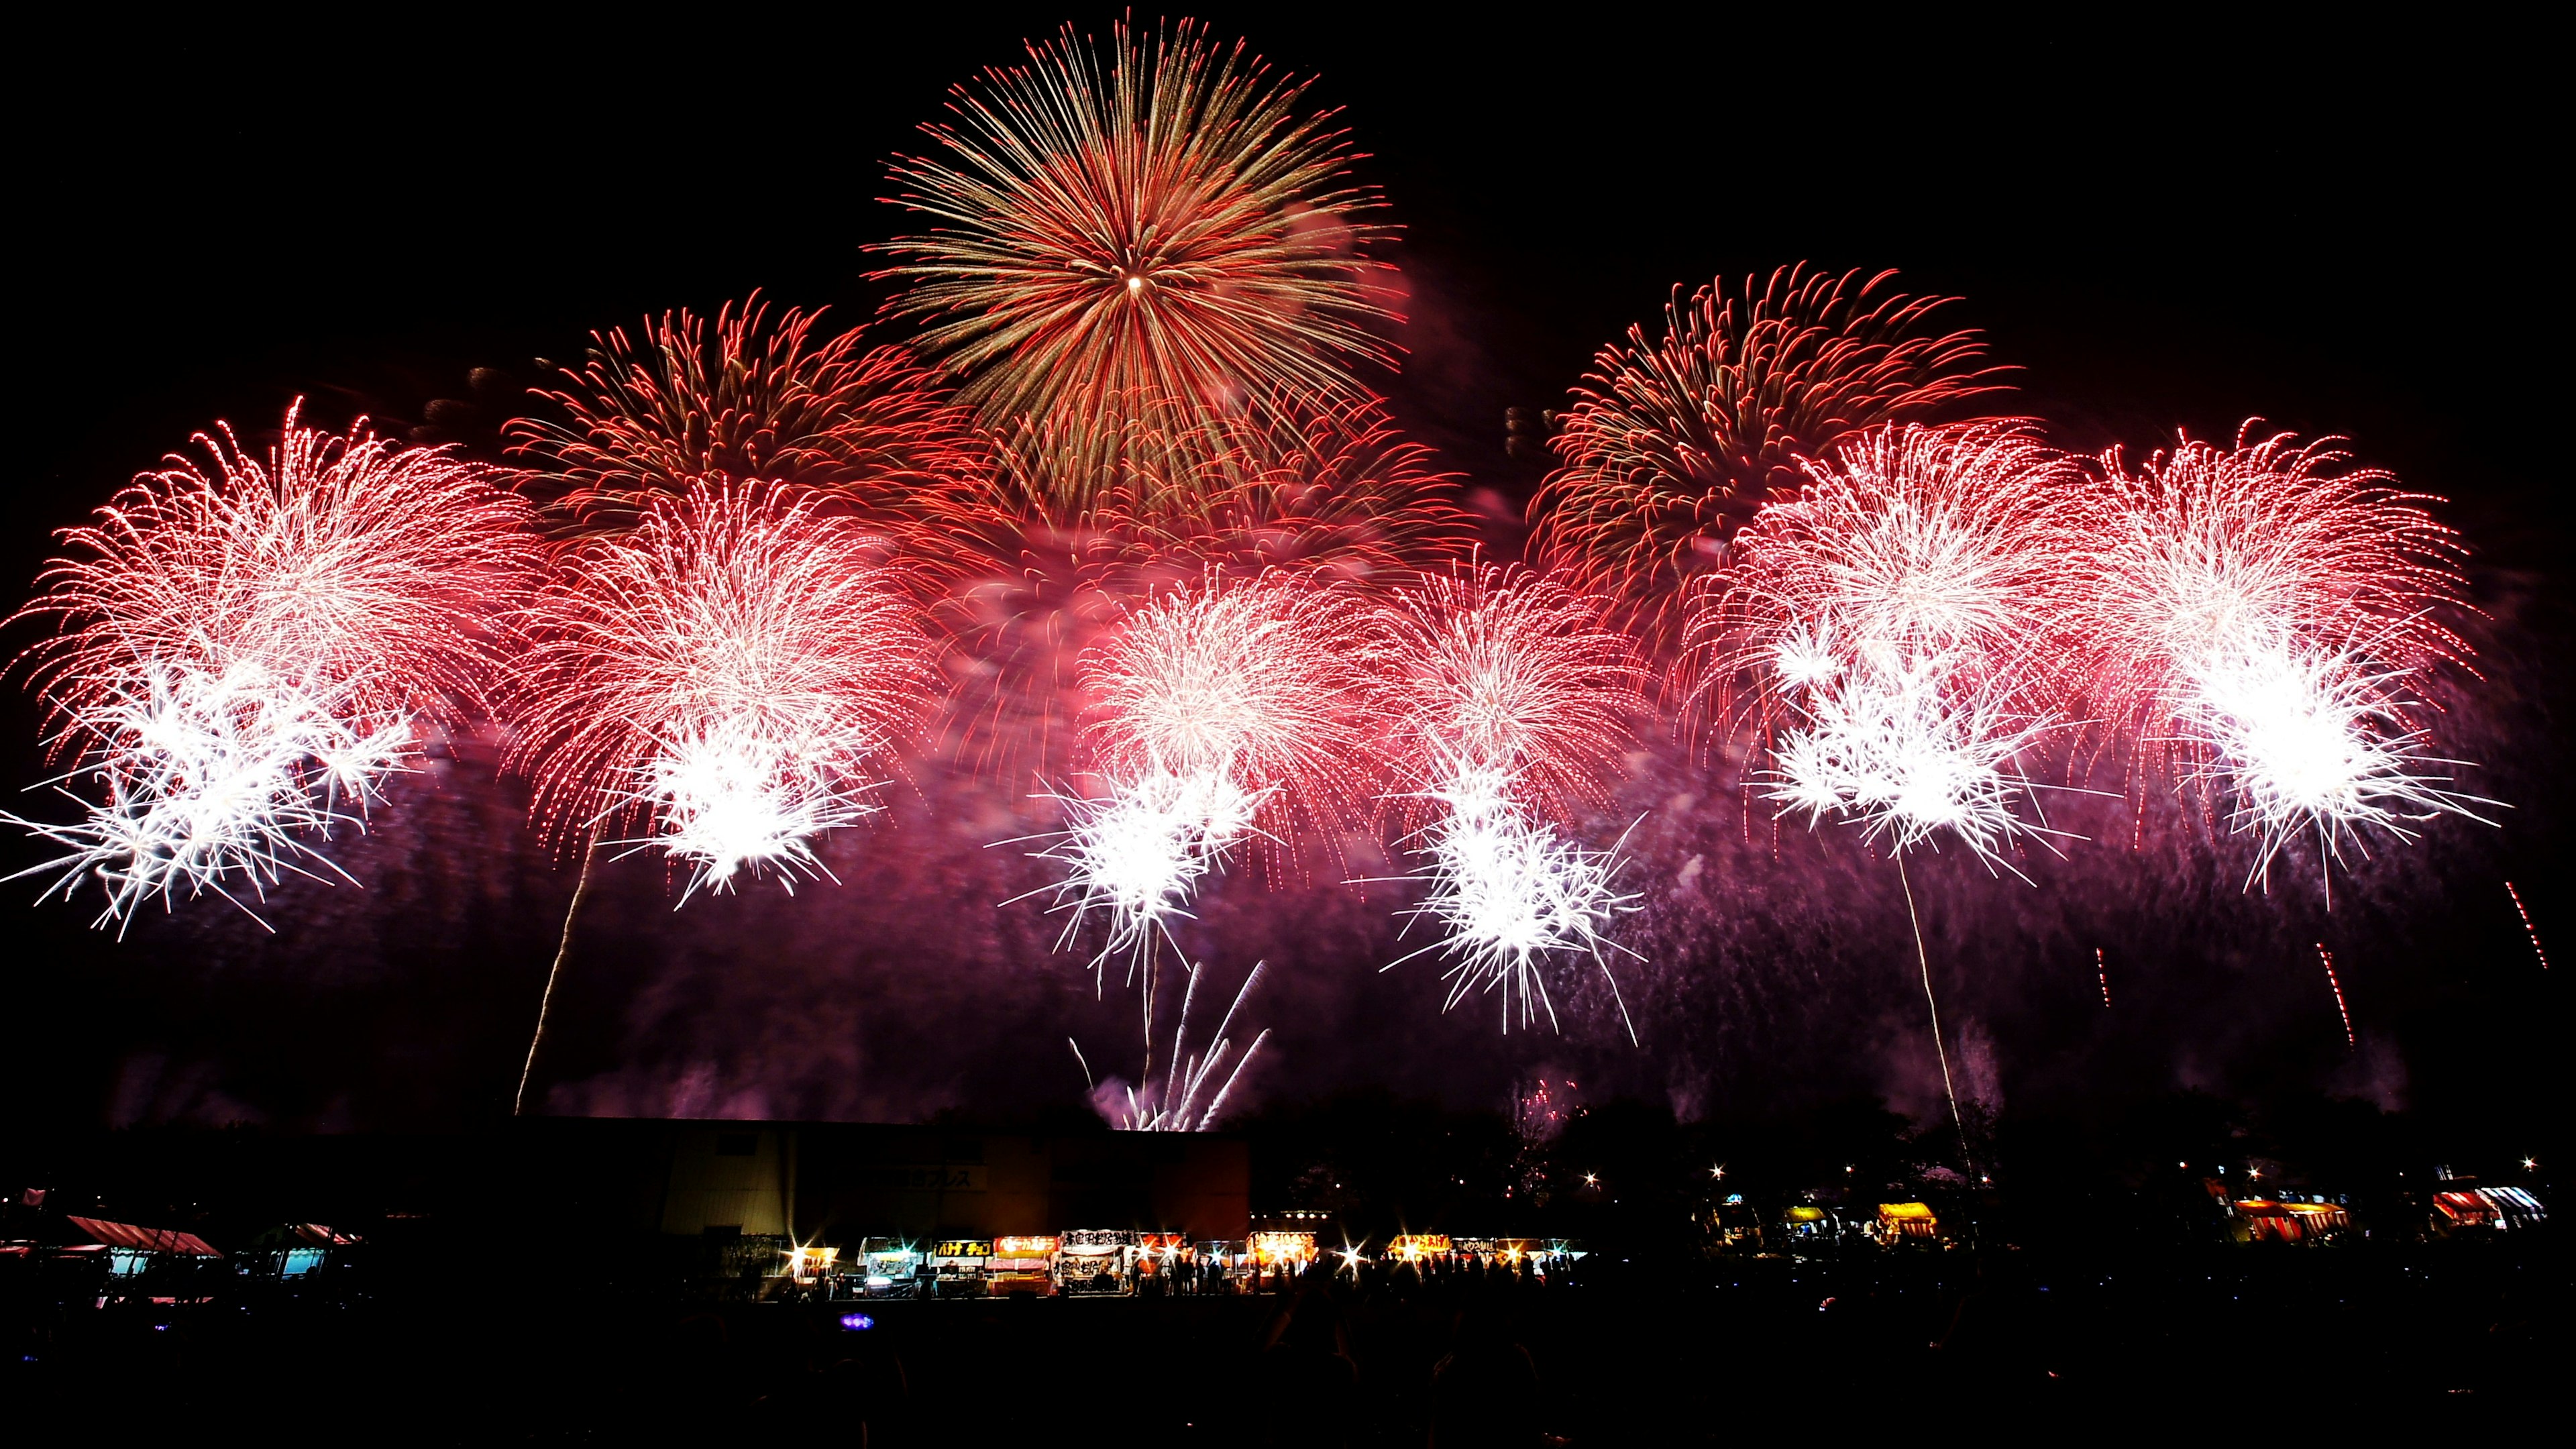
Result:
1156,228
1098,536
1505,699
1220,712
2261,615
736,669
241,656
1671,446
1893,627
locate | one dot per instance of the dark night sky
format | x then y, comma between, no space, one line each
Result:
2166,225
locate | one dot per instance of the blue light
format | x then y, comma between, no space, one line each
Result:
856,1322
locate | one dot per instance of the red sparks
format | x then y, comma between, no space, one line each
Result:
2200,549
740,620
2528,928
2102,970
1254,682
346,565
759,397
1672,445
2341,1010
1496,669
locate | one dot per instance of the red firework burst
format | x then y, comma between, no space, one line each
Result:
1497,670
1672,445
759,396
1898,625
352,566
739,667
1078,518
2270,615
1157,226
2200,547
1253,682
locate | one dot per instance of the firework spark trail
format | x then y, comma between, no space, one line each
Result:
237,653
2327,957
1505,698
2528,928
1156,225
2269,619
1223,713
732,670
1892,629
1671,446
2102,970
759,397
1197,1085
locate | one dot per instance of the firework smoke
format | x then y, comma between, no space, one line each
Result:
241,657
736,670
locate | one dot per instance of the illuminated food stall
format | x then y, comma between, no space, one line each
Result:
1418,1249
1907,1221
2289,1219
1024,1264
886,1267
1095,1261
1809,1225
1159,1257
813,1266
958,1266
1282,1252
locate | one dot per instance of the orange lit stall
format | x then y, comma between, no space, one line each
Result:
1095,1261
1023,1264
1418,1249
1282,1253
1900,1222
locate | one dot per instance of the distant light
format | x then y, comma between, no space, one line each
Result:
1135,284
1718,1171
1591,1179
857,1322
2529,1163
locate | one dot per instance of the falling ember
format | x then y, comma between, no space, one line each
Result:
2104,972
2341,1010
2527,927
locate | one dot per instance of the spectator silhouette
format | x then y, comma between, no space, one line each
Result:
1306,1373
1484,1393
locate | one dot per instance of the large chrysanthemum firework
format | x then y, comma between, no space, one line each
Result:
1505,697
1157,226
737,668
756,397
1218,712
2268,614
238,653
1899,628
1673,444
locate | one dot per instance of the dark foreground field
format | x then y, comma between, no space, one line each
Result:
2272,1341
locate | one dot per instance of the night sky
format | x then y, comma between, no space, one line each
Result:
2163,228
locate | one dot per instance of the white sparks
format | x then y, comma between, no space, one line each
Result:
211,777
1508,893
737,795
1139,854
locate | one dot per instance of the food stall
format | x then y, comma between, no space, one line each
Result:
1282,1253
1159,1257
1095,1261
886,1267
1903,1221
1024,1264
957,1267
1418,1249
